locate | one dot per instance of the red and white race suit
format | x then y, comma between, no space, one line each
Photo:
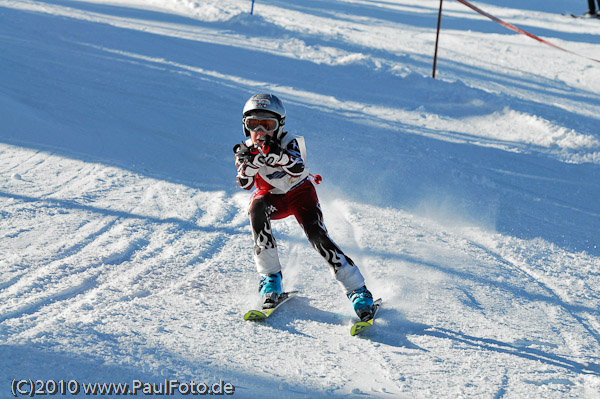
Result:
284,190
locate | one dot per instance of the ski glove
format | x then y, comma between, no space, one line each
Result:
246,160
273,153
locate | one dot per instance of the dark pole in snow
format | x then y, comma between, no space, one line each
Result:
437,38
252,9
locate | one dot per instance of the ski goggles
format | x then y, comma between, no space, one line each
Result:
267,125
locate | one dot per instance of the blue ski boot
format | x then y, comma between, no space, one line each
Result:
270,289
362,301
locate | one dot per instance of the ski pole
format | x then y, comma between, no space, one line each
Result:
317,178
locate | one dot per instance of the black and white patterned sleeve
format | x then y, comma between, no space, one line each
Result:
295,166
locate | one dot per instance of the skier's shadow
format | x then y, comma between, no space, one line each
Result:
394,329
391,328
299,308
382,332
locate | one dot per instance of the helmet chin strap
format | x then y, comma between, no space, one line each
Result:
279,133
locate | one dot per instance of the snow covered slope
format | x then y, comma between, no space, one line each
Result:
470,202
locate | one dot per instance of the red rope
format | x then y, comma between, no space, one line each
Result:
519,30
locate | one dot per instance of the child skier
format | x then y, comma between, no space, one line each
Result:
270,160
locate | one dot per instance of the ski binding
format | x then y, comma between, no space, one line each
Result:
364,325
266,312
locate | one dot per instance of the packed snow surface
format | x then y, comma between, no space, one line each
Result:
471,202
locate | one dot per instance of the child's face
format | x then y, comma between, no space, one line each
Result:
259,135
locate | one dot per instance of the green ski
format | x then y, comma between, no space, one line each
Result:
363,325
264,313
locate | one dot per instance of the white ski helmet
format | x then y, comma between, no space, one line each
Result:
265,102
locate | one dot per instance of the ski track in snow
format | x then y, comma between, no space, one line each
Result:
470,203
